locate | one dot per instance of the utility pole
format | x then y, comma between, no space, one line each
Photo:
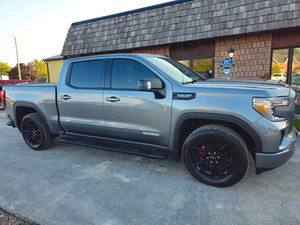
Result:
19,69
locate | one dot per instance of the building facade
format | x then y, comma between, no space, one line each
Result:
264,34
54,65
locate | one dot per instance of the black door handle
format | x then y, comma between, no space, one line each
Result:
65,97
112,99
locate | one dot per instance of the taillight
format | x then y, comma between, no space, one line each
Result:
2,95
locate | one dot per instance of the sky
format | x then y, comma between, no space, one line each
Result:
41,26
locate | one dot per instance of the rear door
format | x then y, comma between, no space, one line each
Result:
131,114
80,98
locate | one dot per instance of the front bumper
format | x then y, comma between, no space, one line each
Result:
267,161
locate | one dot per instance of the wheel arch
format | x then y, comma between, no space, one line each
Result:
187,123
22,109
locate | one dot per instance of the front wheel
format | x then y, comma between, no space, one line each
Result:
216,155
35,133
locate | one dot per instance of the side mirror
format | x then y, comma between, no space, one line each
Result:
150,84
154,85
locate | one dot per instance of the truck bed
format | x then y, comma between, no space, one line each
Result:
41,97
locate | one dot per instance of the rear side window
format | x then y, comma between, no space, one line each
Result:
88,74
126,73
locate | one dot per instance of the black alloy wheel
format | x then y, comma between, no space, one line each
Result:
213,159
216,155
32,133
35,132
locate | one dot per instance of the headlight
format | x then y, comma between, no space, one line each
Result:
265,106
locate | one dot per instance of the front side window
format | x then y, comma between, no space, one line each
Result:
2,84
126,74
87,74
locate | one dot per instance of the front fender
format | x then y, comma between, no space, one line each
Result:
218,118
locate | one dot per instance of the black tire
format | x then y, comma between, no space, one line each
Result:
35,132
216,155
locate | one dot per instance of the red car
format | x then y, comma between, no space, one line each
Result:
9,83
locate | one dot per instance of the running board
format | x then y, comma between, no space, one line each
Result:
135,150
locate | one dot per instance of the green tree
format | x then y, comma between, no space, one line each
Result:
40,67
4,68
276,69
27,73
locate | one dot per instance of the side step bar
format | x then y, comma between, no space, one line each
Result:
135,150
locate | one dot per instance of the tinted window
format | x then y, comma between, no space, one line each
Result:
2,84
87,74
126,73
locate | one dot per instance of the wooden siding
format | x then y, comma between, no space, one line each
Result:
286,39
193,49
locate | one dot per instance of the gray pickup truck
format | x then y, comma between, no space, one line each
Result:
151,105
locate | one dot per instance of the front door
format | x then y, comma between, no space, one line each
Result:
80,98
131,114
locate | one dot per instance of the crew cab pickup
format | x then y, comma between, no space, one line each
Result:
152,105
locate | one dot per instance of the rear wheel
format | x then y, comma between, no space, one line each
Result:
35,133
216,155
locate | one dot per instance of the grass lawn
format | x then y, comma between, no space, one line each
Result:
297,124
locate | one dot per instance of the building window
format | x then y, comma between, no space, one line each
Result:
295,81
203,66
280,64
286,66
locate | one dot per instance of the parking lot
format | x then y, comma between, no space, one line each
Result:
70,184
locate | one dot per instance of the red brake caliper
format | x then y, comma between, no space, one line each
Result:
201,153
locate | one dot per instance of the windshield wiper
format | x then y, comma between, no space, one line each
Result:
189,82
192,81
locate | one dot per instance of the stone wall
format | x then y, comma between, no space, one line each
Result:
252,55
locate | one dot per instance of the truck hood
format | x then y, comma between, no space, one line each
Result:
277,88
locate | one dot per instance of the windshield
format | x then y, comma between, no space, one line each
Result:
176,70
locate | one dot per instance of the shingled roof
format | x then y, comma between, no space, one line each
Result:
179,21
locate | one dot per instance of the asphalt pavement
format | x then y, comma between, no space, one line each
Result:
69,184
